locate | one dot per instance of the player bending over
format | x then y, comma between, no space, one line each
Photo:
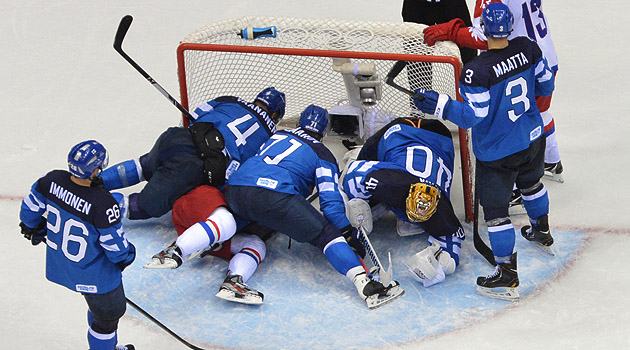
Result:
226,131
86,248
499,89
270,188
408,167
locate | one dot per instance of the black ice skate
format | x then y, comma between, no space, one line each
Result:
502,283
169,258
375,293
233,289
539,235
554,171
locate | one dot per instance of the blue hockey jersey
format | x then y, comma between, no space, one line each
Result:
499,89
425,154
293,162
85,239
244,126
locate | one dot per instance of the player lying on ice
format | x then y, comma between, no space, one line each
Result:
408,167
202,221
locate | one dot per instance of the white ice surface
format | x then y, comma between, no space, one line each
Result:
62,83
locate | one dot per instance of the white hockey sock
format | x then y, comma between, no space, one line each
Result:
218,227
249,251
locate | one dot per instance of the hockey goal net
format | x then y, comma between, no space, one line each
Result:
336,64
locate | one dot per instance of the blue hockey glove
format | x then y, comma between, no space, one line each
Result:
433,103
351,234
36,235
130,257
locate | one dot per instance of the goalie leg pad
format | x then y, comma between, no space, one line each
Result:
406,228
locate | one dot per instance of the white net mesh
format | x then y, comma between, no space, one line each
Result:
299,62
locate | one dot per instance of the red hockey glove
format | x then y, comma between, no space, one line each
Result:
442,32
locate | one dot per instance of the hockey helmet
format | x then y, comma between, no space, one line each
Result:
314,118
275,102
497,20
422,201
85,157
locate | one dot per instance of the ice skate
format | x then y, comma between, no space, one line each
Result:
169,258
516,203
233,289
502,283
539,235
375,293
553,171
205,251
125,347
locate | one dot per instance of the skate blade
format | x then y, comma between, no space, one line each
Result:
503,293
248,299
375,301
547,249
554,177
158,264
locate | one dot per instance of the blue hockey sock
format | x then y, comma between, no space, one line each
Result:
125,174
98,341
502,239
341,256
536,201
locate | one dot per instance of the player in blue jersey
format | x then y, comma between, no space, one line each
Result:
499,89
86,245
408,167
270,188
226,131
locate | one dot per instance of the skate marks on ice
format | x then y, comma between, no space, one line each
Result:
309,305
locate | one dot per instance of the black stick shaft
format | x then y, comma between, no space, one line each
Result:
161,325
123,27
393,73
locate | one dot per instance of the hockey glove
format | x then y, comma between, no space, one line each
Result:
442,32
351,234
433,103
36,235
130,257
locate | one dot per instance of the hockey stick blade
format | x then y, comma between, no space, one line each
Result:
123,27
393,73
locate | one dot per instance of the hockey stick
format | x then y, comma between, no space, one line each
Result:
161,325
386,276
123,27
393,73
479,244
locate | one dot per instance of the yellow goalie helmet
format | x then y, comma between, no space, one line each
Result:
422,201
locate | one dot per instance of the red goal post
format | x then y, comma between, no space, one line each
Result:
304,60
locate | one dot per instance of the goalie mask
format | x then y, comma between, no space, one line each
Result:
422,201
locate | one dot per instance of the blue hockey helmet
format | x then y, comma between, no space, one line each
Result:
275,102
497,20
85,157
314,118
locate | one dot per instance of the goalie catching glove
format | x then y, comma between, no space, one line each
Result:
36,235
433,103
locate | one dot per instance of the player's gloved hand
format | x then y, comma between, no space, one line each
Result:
442,32
130,257
433,103
36,235
351,234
